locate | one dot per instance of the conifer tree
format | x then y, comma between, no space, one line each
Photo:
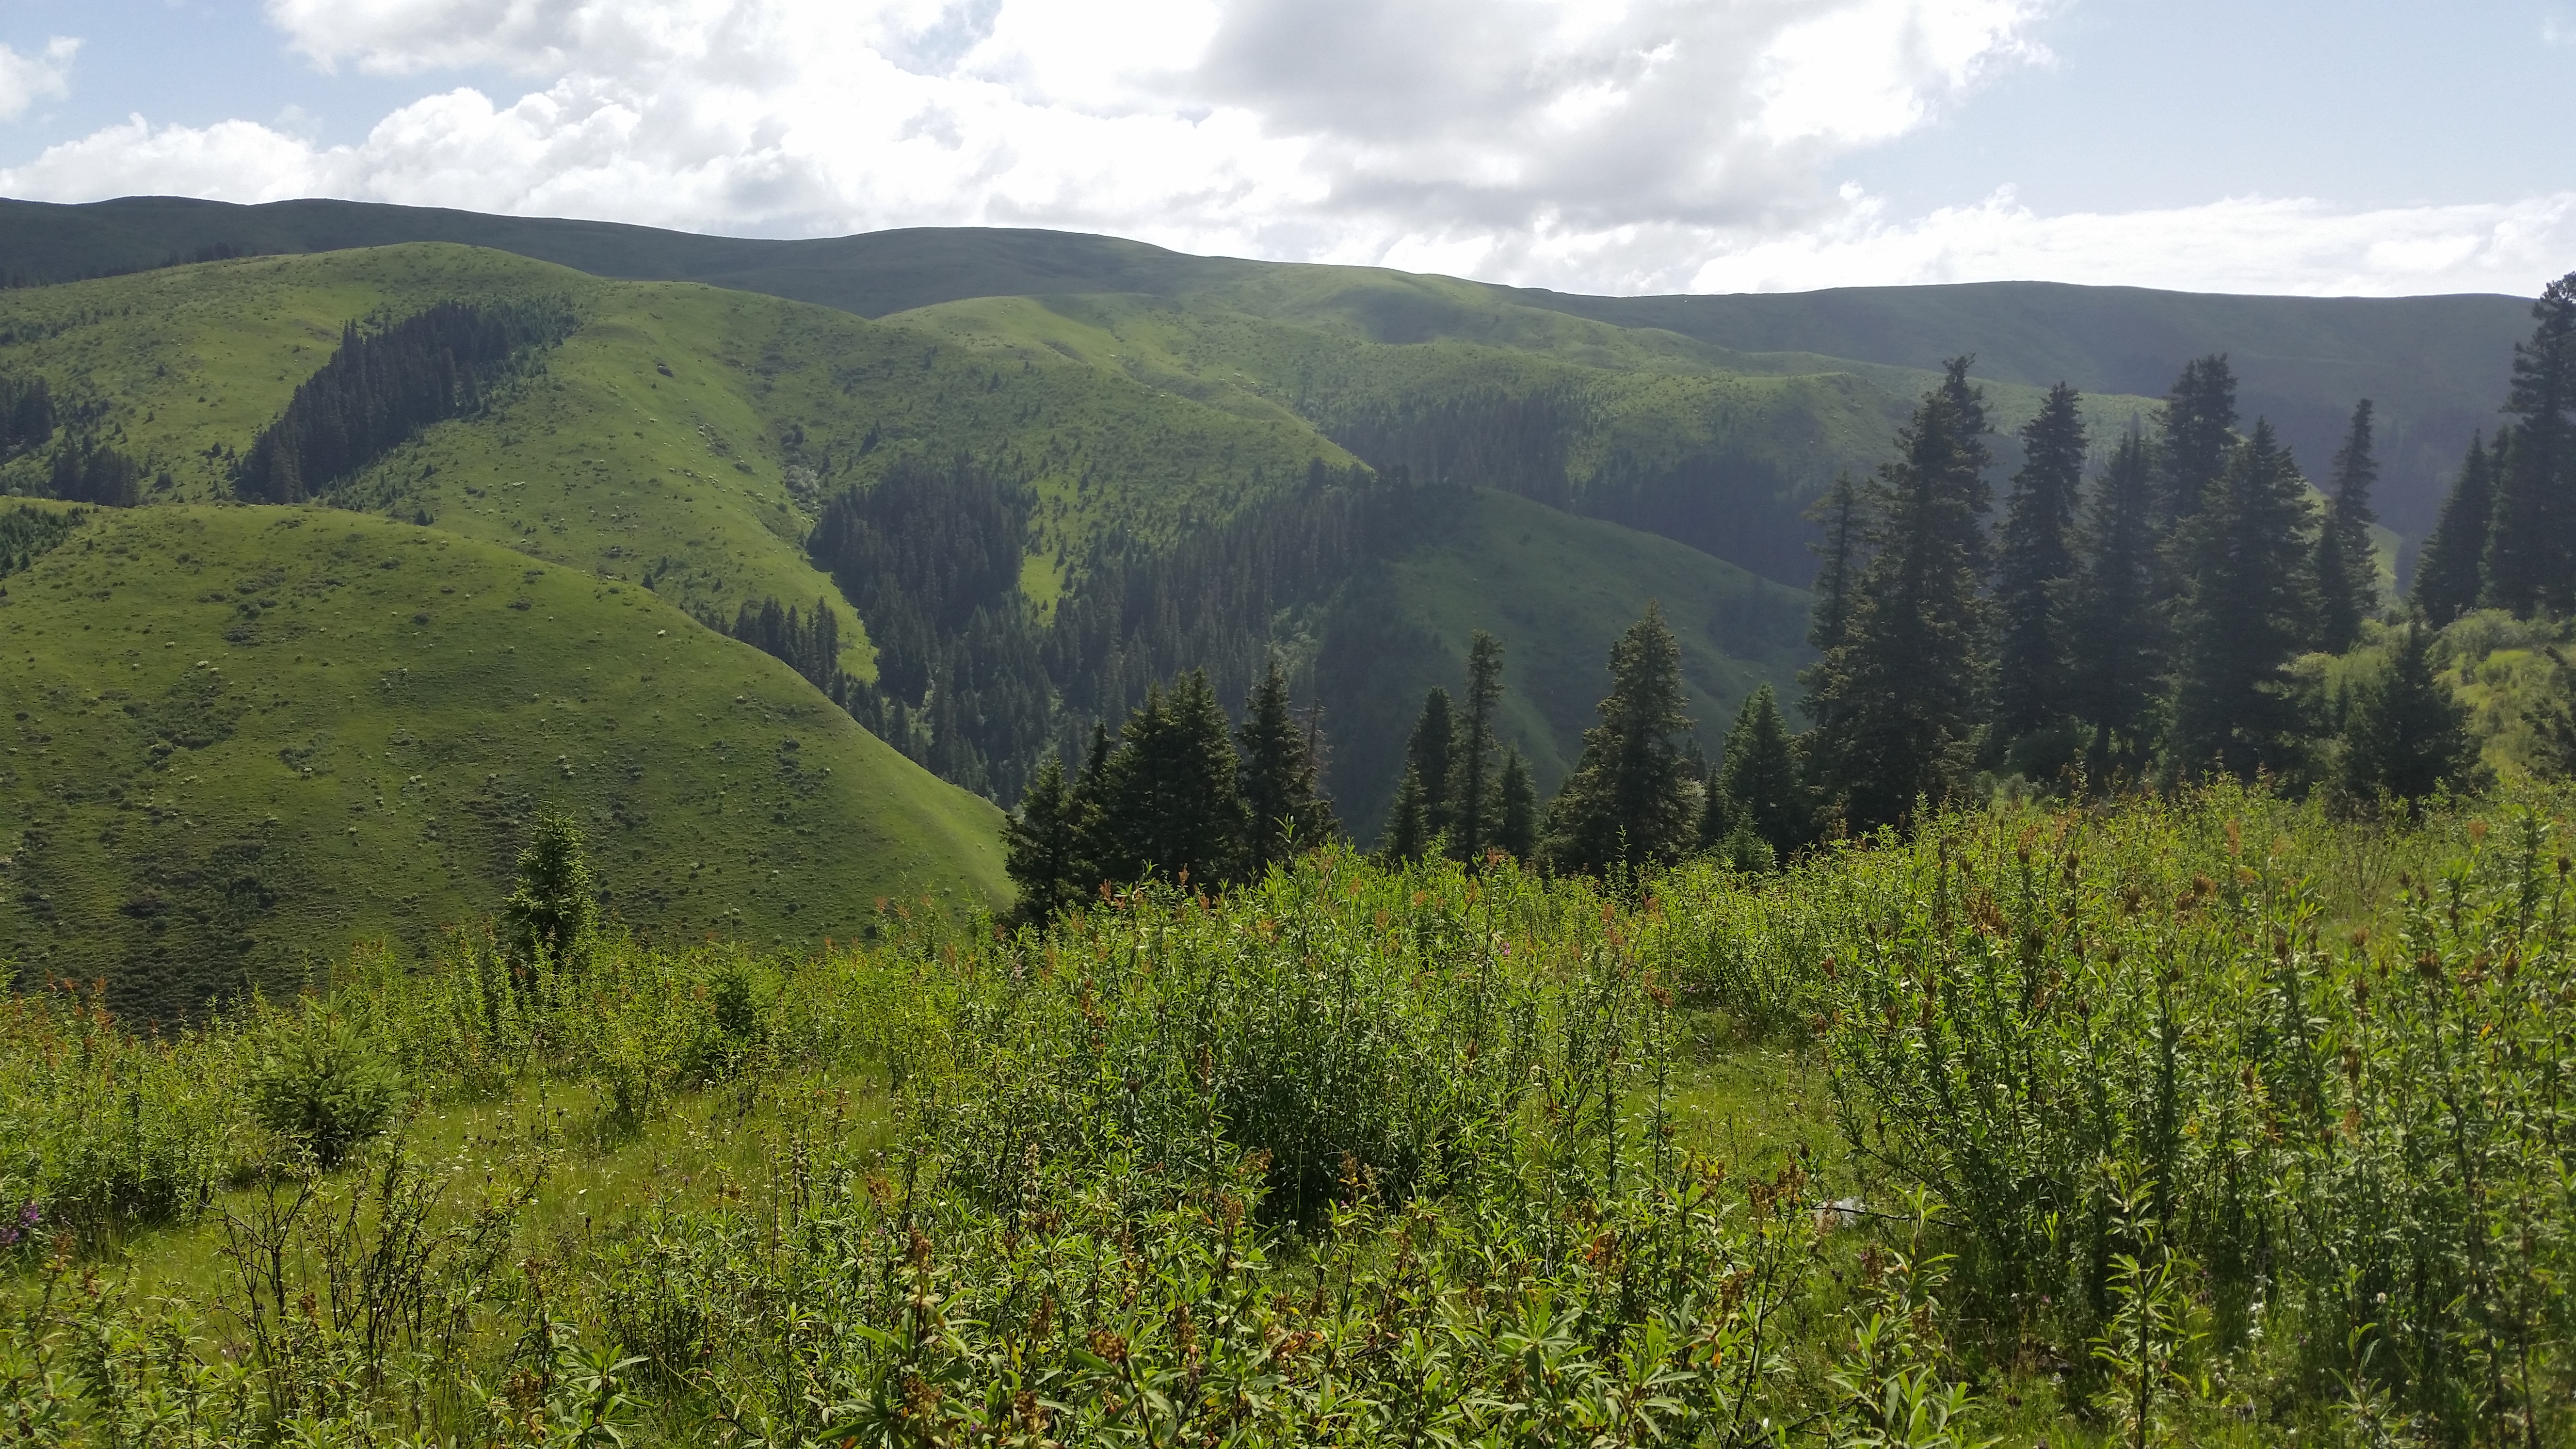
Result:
1042,847
2195,437
1426,759
2447,581
1516,829
2347,569
1168,799
1757,779
2037,563
2531,545
2243,616
1408,820
1841,514
1628,804
2115,629
1898,698
2406,735
1471,798
1284,807
554,908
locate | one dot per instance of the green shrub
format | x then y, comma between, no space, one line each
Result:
322,1086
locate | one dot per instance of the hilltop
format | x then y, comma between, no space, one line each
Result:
242,737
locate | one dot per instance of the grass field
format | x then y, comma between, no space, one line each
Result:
242,737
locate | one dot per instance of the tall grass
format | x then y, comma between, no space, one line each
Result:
2196,1121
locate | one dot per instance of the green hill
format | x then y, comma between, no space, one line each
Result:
241,737
2434,365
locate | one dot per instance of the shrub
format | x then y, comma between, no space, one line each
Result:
320,1085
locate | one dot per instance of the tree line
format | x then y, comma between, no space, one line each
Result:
381,387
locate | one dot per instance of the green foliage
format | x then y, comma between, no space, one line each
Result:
553,910
1757,793
2405,734
2035,568
2448,571
1043,847
2116,633
2346,568
1472,801
1627,807
1168,799
319,1084
2530,563
1516,817
2244,614
1281,784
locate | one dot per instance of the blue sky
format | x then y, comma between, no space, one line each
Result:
2386,148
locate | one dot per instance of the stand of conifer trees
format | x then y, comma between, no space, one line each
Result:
26,414
381,387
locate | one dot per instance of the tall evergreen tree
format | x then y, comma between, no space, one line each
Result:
2531,546
1408,820
1426,759
2347,568
1842,514
2037,563
2115,627
1899,696
2195,437
1473,807
1042,847
1168,799
1284,806
2243,616
2447,572
1628,804
1757,786
2406,735
1516,828
554,908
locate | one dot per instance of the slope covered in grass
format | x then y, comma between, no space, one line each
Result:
240,738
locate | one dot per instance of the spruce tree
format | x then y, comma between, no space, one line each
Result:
1471,798
1284,807
2406,734
1843,517
1169,802
1898,699
1042,847
1408,820
1757,778
2531,546
1628,805
1516,828
2447,572
2037,562
2195,438
2347,568
2115,629
554,909
1426,759
2243,616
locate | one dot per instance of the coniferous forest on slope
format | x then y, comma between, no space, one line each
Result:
1286,855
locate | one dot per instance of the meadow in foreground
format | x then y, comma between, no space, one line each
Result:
2210,1122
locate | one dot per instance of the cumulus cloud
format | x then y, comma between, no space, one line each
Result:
24,79
1606,145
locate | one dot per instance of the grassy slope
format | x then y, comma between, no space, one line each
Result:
1556,591
364,722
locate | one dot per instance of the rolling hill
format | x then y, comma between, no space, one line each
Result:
241,737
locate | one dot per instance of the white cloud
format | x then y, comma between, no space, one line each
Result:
1605,145
24,79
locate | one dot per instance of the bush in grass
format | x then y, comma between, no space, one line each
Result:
319,1084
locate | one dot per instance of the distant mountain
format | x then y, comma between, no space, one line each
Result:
2434,365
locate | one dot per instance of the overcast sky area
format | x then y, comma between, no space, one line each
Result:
2313,146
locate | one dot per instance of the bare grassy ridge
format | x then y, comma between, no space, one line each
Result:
2202,1122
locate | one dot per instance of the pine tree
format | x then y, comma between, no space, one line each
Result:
2243,616
554,908
1471,798
2038,560
2347,568
2115,630
1169,803
2195,438
1757,777
1408,820
2406,735
1284,807
1842,514
1042,847
1628,805
1517,828
2531,546
2447,581
1426,759
1898,698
